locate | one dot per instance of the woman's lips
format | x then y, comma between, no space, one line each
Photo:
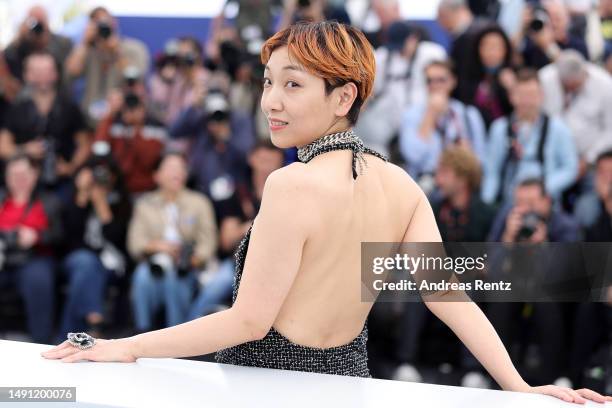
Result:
277,125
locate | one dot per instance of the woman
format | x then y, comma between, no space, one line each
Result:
95,223
299,300
29,228
487,82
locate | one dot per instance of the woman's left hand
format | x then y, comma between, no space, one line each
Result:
567,394
116,350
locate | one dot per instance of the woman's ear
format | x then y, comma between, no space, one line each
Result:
347,94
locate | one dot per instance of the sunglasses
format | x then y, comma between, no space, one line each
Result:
436,80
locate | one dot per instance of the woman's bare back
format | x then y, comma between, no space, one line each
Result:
324,308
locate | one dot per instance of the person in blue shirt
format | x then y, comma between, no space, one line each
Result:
428,128
528,144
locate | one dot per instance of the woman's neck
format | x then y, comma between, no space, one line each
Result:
21,198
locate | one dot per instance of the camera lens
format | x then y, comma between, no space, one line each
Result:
131,100
536,25
104,30
36,26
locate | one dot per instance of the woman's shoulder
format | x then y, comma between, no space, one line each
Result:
400,179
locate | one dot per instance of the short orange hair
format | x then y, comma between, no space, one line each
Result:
336,52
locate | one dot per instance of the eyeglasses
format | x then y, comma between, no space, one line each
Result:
438,80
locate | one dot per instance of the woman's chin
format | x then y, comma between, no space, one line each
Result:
280,141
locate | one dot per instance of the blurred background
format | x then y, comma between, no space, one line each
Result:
133,155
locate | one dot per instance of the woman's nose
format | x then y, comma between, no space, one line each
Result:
271,100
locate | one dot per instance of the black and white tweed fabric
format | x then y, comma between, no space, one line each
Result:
277,351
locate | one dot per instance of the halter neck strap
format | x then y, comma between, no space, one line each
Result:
346,140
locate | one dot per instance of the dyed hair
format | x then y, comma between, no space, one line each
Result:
336,52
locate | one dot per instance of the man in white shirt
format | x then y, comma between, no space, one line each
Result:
581,94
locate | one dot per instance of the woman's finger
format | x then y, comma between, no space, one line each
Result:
63,353
592,395
80,355
576,396
559,393
61,346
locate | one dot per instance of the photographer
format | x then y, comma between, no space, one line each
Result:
46,124
101,58
234,217
95,222
580,93
545,33
29,226
532,219
400,82
441,121
592,204
528,143
178,73
34,35
591,347
221,140
172,233
136,138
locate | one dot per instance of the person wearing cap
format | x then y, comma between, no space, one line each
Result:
100,59
95,224
581,94
400,81
221,139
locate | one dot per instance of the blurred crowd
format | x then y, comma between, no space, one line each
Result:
128,179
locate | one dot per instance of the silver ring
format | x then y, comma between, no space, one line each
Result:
81,340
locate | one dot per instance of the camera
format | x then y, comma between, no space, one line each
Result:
102,175
183,265
131,100
303,3
161,262
35,26
11,255
104,30
216,106
188,60
539,21
529,224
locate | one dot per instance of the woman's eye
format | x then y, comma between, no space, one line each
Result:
294,83
265,82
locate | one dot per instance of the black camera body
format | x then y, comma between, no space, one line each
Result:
529,224
102,175
35,26
131,100
539,21
159,263
104,30
11,255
